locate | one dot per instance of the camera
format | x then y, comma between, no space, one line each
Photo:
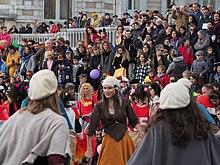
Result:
177,8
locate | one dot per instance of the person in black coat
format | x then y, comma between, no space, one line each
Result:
95,61
85,69
177,67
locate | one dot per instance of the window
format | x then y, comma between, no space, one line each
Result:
133,4
49,9
129,6
136,4
63,9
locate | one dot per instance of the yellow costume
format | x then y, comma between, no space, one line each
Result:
12,66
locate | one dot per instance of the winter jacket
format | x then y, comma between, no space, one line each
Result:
210,60
95,61
202,44
6,37
204,20
193,38
163,78
199,67
135,33
180,18
107,22
106,63
175,43
176,67
156,31
187,53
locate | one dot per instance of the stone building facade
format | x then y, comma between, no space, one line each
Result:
21,12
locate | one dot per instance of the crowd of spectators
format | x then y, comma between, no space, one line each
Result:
156,50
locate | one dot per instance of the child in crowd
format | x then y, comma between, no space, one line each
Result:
75,67
125,87
154,90
200,67
141,104
141,107
187,74
216,76
210,60
66,68
161,76
84,69
70,87
96,58
72,113
187,52
151,75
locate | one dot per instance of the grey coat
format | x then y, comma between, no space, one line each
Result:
177,66
157,149
202,44
199,67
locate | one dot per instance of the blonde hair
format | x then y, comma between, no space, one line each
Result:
82,94
38,106
49,52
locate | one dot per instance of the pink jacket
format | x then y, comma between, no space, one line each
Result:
6,37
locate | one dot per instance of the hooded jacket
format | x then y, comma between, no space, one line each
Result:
177,66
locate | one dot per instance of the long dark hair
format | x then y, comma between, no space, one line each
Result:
117,105
185,123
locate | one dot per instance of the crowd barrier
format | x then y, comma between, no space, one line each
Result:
73,35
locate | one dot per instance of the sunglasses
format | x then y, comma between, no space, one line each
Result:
192,29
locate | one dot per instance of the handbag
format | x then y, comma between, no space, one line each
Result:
120,72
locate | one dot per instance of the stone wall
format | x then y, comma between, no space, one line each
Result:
98,6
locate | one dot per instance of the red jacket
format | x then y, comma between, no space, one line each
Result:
94,38
187,53
164,79
54,29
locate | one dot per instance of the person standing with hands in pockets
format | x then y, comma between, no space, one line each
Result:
113,111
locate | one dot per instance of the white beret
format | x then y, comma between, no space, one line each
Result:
174,96
111,81
42,84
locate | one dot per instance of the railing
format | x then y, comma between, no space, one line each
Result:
35,37
73,35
